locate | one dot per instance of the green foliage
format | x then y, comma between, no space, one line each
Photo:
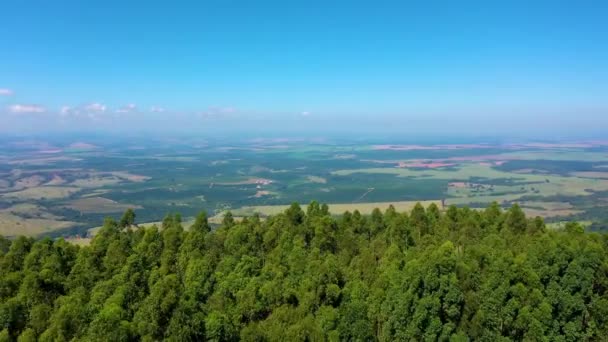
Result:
453,275
201,224
128,218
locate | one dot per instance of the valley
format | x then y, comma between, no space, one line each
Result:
63,187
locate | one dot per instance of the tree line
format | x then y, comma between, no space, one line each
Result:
305,275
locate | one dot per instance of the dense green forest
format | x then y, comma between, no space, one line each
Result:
303,275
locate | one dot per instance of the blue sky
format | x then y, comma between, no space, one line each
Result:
410,66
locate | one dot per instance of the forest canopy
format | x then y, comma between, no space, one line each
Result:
305,275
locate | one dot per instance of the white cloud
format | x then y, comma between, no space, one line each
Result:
23,109
156,109
131,107
96,108
6,92
91,111
66,111
305,113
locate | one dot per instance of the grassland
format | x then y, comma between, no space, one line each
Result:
13,225
43,193
77,187
317,179
488,188
591,174
336,208
95,182
30,219
99,205
463,173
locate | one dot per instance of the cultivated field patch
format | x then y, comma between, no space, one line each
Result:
336,208
251,180
188,176
56,180
12,225
36,161
316,179
95,193
96,181
549,209
28,182
99,205
262,193
591,174
129,176
42,193
30,220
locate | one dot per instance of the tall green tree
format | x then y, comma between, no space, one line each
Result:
453,275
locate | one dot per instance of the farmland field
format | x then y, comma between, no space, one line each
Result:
66,186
